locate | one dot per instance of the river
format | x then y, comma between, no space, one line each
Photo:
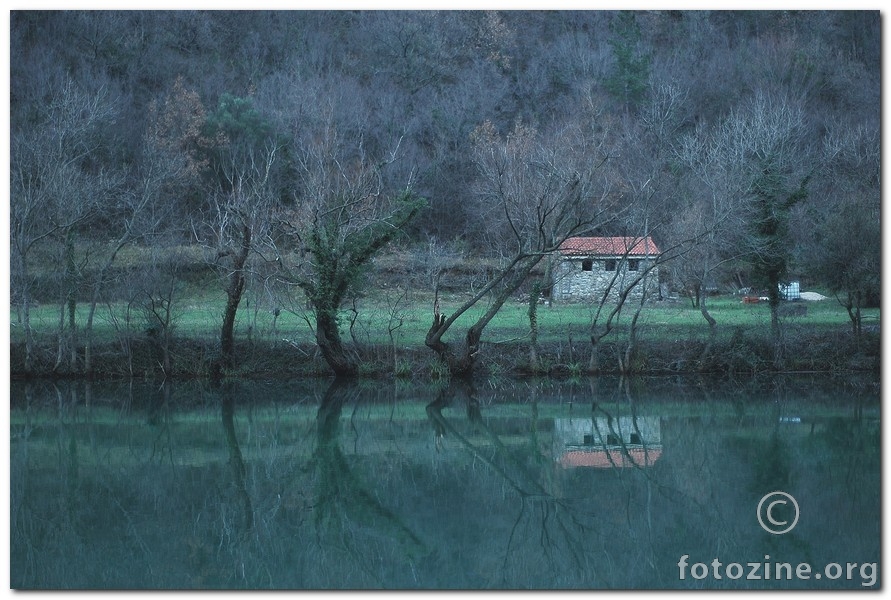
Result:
607,483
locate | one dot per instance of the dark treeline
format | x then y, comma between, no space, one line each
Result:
287,149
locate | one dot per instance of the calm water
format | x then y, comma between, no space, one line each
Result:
500,484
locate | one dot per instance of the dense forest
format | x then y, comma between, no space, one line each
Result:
290,150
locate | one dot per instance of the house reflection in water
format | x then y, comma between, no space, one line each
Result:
607,442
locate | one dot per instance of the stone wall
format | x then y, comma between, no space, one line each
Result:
574,284
574,432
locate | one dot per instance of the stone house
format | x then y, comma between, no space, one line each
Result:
586,267
608,442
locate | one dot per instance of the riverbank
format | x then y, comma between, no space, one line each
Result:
743,351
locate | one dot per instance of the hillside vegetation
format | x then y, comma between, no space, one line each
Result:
222,193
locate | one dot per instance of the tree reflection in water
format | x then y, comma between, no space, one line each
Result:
343,505
566,530
547,486
236,462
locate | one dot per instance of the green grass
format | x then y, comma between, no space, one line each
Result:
198,315
403,314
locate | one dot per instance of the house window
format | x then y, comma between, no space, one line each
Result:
632,264
609,264
587,265
635,439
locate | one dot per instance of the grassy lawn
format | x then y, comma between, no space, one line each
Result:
379,316
388,313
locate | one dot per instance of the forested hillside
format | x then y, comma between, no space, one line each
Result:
283,153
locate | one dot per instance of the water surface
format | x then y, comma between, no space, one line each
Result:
511,484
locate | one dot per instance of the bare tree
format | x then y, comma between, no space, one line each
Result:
168,166
757,167
241,217
623,285
715,217
55,187
243,161
846,245
649,195
159,299
770,134
534,192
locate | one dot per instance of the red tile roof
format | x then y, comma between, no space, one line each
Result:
606,458
609,246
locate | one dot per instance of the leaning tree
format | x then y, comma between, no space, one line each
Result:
534,190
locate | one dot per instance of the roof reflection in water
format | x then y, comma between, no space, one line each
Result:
605,442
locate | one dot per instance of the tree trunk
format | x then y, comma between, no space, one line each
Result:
88,327
60,337
695,295
234,291
88,366
858,320
534,363
26,316
94,300
166,365
71,300
88,330
461,363
626,366
773,296
329,342
853,307
227,331
712,331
